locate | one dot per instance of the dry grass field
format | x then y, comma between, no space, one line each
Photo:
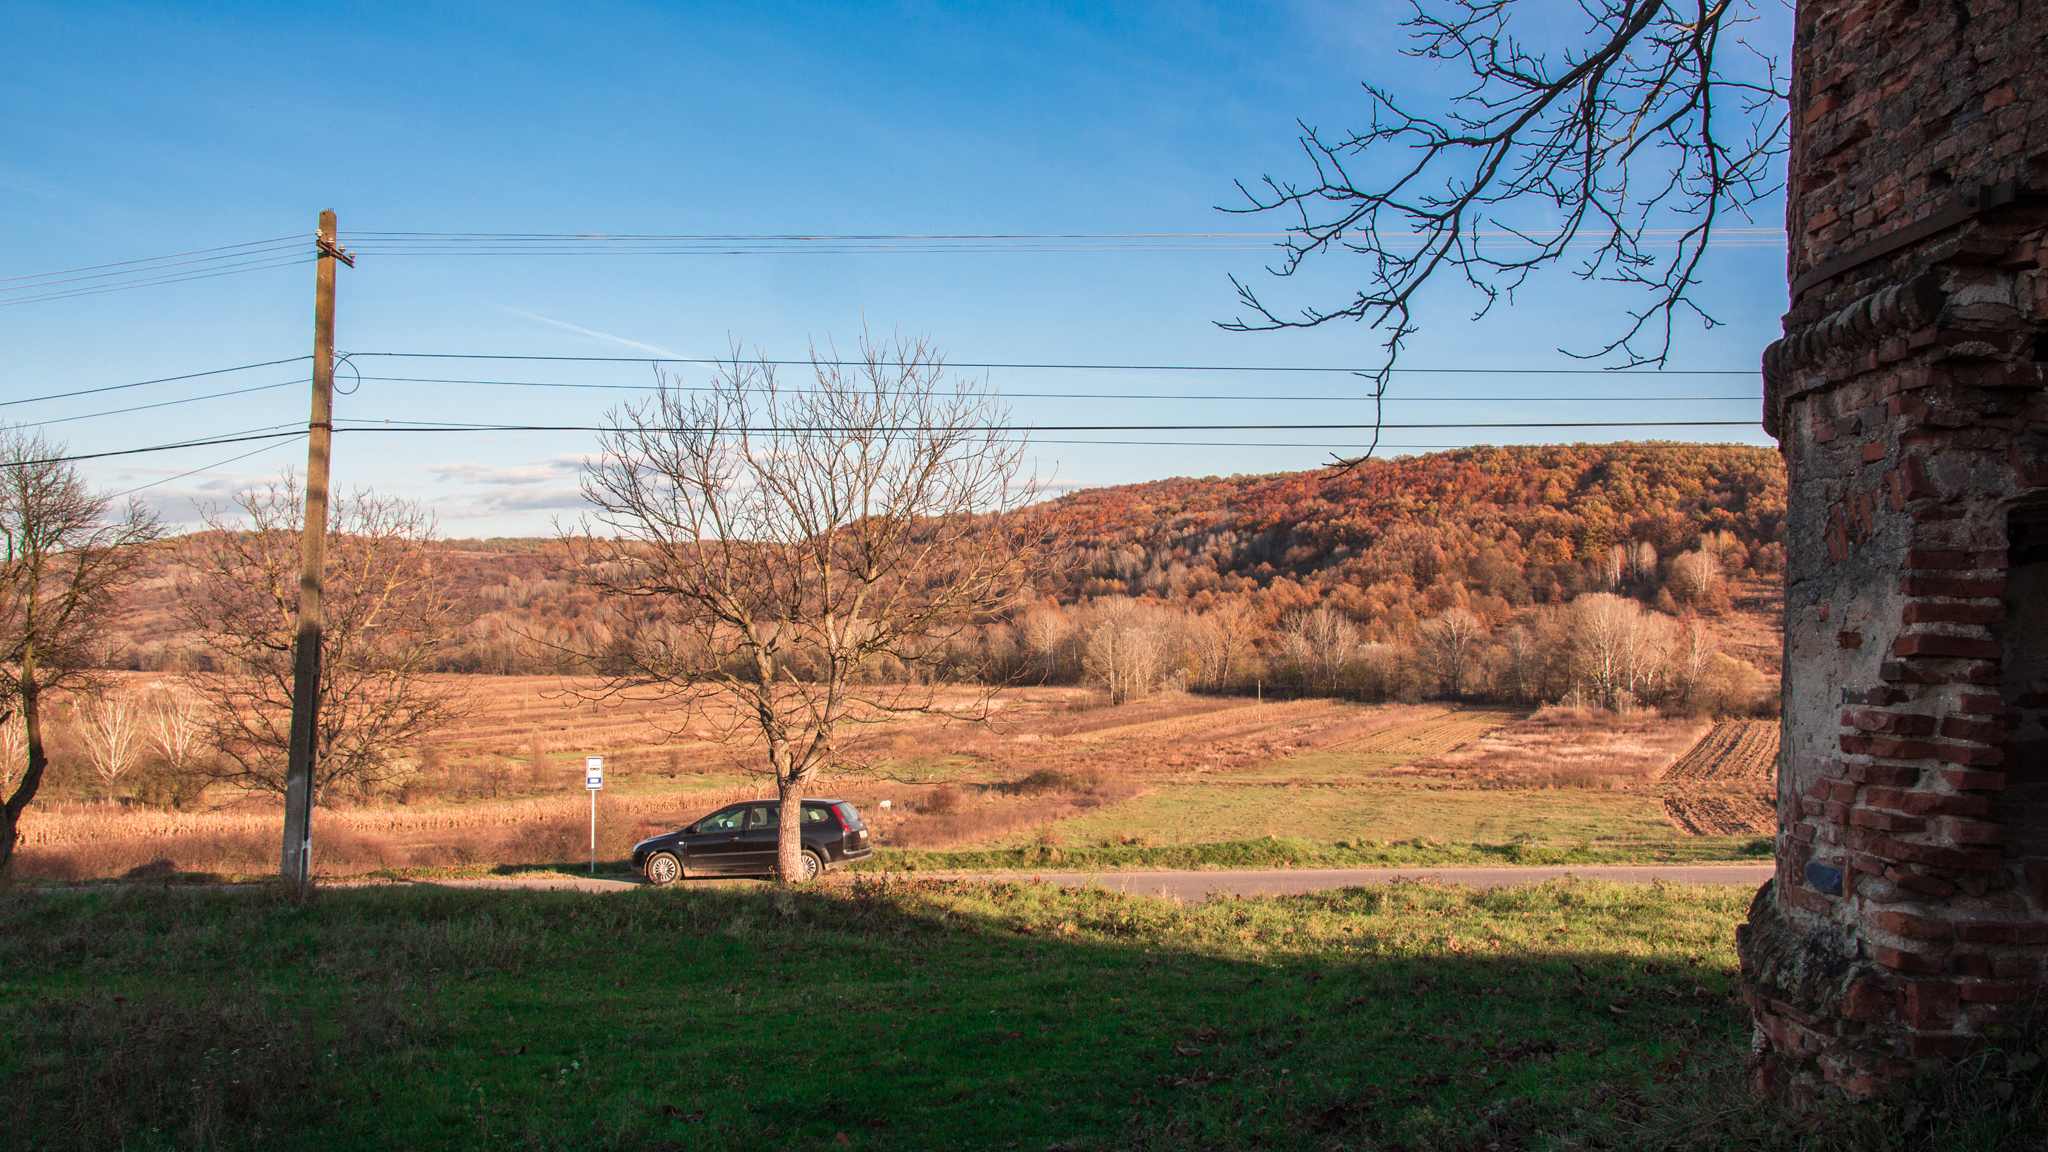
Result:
1054,766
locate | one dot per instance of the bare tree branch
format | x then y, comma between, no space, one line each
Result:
387,613
787,565
1630,149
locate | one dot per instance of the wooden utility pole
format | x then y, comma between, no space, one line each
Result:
296,867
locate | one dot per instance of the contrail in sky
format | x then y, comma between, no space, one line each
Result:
599,335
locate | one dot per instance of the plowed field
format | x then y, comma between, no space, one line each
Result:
1433,736
1734,751
1710,815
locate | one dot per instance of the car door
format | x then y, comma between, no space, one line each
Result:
714,844
756,856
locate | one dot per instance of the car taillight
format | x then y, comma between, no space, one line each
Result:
840,817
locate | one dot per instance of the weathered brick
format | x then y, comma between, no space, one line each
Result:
1930,1004
1981,704
1927,803
1943,1044
1952,586
1945,612
1869,999
1968,754
1886,747
1900,961
1808,899
1891,775
1986,932
1911,926
1975,832
1886,821
1890,723
1973,780
1936,856
1936,644
1997,993
1958,728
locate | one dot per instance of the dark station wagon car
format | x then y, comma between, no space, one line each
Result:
740,839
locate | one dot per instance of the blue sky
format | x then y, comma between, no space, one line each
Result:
135,131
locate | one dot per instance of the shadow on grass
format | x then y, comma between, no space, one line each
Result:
886,1014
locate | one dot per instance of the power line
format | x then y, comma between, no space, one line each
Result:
148,260
371,424
614,244
158,380
232,438
161,404
201,468
260,265
1083,395
1077,367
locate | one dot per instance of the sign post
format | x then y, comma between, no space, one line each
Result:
593,780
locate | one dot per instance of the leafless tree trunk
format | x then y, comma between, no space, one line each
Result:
387,611
111,731
63,565
1448,639
762,546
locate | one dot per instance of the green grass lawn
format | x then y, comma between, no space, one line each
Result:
1200,813
902,1015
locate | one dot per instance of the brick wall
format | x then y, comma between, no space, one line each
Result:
1909,913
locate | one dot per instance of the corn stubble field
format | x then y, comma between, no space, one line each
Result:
1058,778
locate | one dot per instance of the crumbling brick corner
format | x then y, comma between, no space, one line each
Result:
1908,919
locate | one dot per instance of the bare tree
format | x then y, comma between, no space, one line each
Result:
1620,647
1447,641
64,562
111,731
387,610
173,721
1124,648
1695,573
1692,658
13,753
765,546
1629,149
1323,640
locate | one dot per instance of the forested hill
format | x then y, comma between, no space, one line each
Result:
1497,531
1520,525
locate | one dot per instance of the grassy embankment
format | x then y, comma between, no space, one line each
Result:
899,1015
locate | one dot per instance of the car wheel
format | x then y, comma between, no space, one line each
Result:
809,867
664,868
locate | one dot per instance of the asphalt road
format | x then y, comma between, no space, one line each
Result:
1190,887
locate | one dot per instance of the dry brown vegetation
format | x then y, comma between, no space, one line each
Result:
1569,748
503,785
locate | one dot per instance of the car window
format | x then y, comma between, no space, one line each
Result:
760,816
721,821
850,814
816,814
